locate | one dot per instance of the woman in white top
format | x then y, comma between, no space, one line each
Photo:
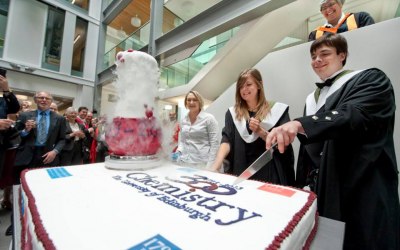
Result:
198,138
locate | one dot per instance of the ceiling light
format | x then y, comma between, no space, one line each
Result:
136,21
167,107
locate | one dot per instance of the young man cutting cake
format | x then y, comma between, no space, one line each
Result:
347,154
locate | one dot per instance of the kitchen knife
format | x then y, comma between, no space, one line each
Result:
256,165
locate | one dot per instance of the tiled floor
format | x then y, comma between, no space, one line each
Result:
5,220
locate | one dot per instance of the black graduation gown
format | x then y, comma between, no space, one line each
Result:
358,177
280,170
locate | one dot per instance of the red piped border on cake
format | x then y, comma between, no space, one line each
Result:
40,231
276,243
278,239
49,245
21,220
312,233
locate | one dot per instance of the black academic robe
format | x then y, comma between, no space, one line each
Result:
358,177
280,170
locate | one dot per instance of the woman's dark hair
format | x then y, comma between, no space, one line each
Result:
331,40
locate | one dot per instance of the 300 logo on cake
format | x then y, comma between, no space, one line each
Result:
197,205
204,184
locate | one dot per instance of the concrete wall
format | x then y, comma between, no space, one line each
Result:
26,47
25,36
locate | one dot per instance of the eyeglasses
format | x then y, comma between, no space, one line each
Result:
327,5
43,98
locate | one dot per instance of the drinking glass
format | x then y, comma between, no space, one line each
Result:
33,120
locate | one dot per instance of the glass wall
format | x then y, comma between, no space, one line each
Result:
182,72
131,29
106,3
135,41
170,21
53,39
80,4
177,12
4,4
78,56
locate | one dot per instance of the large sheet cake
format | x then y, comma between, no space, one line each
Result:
170,207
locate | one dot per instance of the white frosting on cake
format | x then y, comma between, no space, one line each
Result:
91,207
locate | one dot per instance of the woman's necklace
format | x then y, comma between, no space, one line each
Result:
252,110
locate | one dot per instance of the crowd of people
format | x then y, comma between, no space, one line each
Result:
43,137
346,156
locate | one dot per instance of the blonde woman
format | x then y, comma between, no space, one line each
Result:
246,127
198,138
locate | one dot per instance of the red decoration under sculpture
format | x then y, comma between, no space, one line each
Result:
134,136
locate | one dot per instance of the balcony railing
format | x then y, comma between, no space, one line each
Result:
134,41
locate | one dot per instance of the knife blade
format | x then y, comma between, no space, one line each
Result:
256,165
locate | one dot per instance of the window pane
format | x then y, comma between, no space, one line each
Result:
78,56
182,72
129,30
53,39
80,4
3,23
106,3
177,12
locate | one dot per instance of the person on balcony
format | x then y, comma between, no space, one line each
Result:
337,21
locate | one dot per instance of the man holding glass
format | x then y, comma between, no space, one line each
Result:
43,135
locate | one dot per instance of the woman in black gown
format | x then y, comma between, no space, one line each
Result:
246,127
